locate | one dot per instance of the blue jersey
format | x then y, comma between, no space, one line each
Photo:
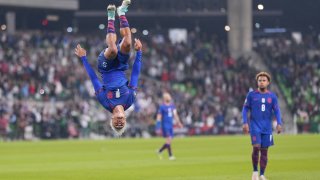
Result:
166,112
115,90
111,97
262,106
111,69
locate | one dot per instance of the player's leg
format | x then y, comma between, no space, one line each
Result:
168,134
256,144
169,140
267,140
111,37
164,146
125,45
263,160
255,160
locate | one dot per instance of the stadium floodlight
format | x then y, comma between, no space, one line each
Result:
133,30
145,32
257,25
69,29
101,26
3,27
260,7
227,28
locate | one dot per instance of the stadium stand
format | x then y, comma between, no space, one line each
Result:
194,72
296,64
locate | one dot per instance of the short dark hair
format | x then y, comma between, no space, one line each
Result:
263,74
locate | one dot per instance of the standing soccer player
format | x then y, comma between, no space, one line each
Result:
261,103
167,111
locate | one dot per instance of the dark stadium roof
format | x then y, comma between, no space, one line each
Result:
208,14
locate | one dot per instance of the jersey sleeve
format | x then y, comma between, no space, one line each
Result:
93,77
247,101
136,70
246,107
160,110
276,109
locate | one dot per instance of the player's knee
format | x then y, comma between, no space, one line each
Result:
256,145
112,51
126,44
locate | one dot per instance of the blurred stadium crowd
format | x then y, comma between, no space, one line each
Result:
45,92
295,63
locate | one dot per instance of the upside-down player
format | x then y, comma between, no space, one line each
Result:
115,93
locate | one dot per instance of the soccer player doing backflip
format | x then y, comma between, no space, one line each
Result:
167,111
262,103
115,93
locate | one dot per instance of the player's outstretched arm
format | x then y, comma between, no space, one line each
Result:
82,53
177,118
136,65
277,112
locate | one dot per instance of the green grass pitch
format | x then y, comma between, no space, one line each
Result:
214,157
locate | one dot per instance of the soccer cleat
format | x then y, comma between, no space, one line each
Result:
126,2
172,158
121,10
262,177
255,175
111,11
159,154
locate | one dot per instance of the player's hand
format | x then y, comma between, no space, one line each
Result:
137,44
279,128
180,125
158,132
245,128
79,51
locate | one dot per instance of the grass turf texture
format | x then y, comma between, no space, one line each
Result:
215,157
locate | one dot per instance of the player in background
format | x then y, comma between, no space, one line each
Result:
167,111
262,103
116,94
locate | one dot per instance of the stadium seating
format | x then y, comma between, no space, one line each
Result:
208,85
296,65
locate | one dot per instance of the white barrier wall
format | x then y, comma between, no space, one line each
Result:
49,4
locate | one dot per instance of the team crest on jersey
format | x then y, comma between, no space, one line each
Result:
109,95
269,100
104,64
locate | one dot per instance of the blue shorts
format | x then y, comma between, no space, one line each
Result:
265,140
167,132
